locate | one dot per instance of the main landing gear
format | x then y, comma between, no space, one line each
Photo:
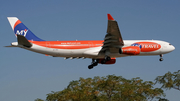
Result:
161,59
94,63
107,58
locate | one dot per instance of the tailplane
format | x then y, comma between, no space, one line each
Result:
23,41
20,29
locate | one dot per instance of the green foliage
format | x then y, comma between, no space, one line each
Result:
162,99
109,88
170,80
38,99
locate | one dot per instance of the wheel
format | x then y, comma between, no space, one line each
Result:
161,59
95,64
161,55
90,66
108,58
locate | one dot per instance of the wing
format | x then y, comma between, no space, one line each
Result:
113,39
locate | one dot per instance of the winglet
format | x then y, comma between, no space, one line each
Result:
110,17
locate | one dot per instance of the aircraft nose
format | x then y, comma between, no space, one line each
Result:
168,48
171,48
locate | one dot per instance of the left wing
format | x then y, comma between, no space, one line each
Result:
113,40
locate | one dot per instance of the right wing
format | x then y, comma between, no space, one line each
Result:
113,40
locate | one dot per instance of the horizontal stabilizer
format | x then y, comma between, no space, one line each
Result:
23,41
10,46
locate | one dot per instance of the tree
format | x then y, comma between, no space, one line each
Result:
109,88
38,99
169,80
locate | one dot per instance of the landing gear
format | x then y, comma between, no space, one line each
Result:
90,66
161,59
94,63
107,58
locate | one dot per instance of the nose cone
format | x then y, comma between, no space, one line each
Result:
168,48
171,48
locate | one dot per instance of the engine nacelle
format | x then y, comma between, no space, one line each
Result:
130,50
112,61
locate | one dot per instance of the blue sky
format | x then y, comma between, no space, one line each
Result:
25,75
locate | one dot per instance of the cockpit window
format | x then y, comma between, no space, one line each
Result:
169,44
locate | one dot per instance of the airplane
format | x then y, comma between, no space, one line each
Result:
100,51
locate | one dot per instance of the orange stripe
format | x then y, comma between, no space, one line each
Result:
68,44
17,22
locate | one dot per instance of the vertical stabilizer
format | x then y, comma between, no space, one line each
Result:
20,29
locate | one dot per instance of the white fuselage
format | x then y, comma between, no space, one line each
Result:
93,52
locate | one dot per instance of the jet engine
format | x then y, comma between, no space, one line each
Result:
130,50
112,61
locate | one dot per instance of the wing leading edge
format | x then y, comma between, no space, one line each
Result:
113,39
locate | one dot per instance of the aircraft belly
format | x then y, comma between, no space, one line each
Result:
58,52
